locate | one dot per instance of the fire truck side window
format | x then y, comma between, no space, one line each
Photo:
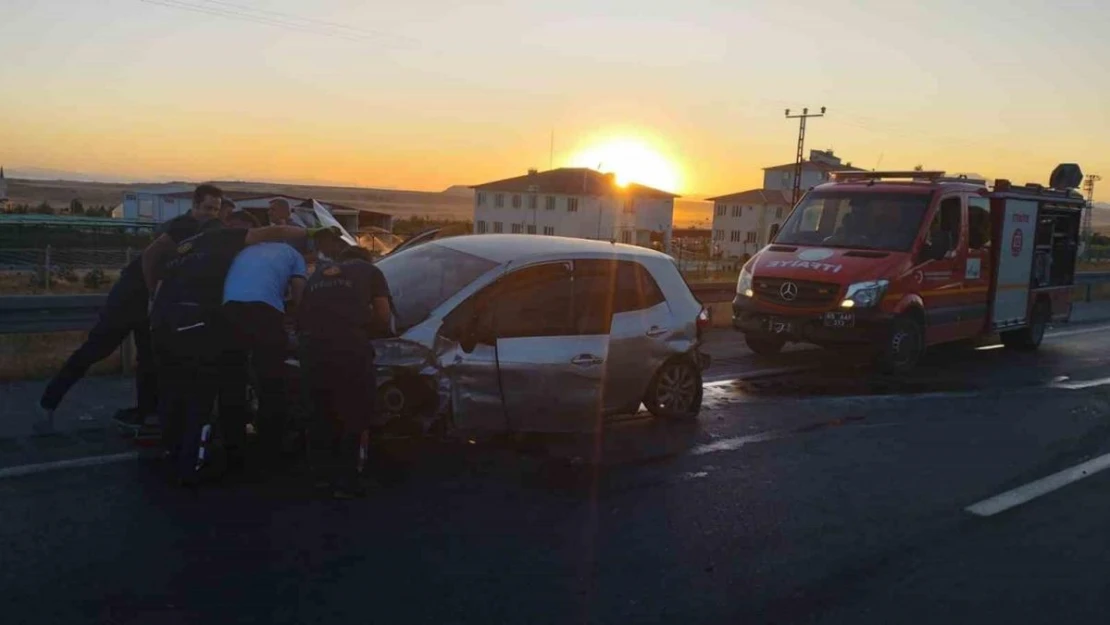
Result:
978,223
947,221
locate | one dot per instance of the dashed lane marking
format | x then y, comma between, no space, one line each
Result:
73,463
1028,492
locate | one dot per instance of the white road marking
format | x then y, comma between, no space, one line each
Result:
986,347
1032,490
1080,384
74,463
1062,333
732,444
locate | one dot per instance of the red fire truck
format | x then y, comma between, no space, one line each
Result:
903,260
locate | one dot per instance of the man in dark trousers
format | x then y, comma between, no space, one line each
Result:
255,307
346,304
125,312
190,336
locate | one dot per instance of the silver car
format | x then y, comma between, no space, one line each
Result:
528,333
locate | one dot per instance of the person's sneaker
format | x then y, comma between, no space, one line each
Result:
45,422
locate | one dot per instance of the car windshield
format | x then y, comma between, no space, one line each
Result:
425,276
856,219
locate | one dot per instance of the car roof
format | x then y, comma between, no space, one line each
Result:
503,248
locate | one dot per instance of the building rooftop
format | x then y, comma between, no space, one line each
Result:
811,165
756,196
571,181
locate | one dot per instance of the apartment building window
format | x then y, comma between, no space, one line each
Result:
735,211
532,202
516,228
721,208
497,227
480,227
498,200
751,237
531,229
778,212
718,235
626,236
481,198
572,205
549,230
516,200
734,236
549,202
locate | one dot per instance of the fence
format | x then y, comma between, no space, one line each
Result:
40,259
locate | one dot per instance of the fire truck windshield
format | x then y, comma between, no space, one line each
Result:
856,219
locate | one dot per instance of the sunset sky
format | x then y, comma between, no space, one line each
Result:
429,93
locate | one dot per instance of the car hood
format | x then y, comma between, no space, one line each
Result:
825,264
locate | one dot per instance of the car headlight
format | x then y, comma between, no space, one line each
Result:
744,284
865,294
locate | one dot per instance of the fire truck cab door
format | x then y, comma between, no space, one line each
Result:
979,266
1014,255
942,278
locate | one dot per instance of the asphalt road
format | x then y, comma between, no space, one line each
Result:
820,495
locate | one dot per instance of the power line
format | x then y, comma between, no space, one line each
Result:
265,17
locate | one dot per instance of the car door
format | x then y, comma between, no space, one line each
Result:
943,277
637,320
467,349
550,371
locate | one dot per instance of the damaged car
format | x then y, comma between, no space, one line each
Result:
520,333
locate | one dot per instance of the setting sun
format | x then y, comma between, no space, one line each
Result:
632,160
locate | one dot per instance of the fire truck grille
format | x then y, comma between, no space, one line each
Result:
806,294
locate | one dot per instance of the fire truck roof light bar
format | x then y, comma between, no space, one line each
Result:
879,175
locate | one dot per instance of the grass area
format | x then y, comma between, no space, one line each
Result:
30,356
27,283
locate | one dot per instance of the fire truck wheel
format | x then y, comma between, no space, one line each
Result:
764,345
904,346
1029,338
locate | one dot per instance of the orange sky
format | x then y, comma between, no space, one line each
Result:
430,94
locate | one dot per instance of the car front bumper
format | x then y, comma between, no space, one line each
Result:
866,325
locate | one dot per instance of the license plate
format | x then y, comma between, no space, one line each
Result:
839,319
779,326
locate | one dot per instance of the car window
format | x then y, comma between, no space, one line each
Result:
533,301
978,223
603,288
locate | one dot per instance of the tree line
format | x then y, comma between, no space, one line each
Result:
75,208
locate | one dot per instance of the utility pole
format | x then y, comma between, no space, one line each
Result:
1087,230
801,148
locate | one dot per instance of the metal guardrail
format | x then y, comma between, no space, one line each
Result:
22,314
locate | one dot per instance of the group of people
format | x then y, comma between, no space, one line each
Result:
210,302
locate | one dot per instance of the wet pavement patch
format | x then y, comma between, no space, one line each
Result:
52,441
10,445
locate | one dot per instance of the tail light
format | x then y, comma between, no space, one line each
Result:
704,318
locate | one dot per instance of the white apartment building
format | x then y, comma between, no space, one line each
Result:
746,221
574,202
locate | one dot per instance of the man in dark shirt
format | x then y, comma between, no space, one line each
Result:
190,336
125,312
346,304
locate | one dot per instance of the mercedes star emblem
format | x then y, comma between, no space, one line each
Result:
788,291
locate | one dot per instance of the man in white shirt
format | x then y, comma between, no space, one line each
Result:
280,214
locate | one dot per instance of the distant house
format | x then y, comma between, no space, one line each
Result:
4,201
162,204
744,222
575,202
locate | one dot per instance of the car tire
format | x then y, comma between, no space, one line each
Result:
1029,338
764,344
675,392
905,343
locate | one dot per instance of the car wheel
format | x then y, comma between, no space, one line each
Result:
764,345
392,400
904,346
675,391
1029,338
